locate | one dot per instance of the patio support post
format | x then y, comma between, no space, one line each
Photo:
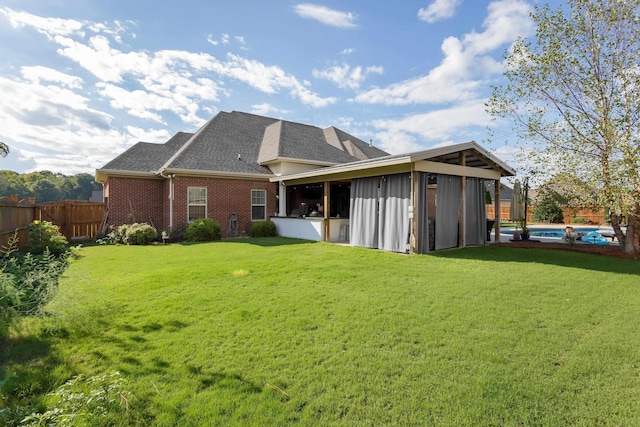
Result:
414,219
462,223
496,203
326,209
282,199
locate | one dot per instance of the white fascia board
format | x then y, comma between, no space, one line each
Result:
103,174
296,160
347,167
216,174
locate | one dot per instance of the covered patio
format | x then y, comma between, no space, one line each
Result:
416,202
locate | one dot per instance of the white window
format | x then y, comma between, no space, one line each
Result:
258,205
197,203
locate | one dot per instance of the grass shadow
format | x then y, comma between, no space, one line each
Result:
257,241
562,258
28,370
222,380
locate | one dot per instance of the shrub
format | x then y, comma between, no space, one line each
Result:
97,400
137,234
43,235
9,299
177,232
112,238
263,229
202,230
548,209
27,282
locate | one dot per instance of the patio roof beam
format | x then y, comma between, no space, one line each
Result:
456,170
347,175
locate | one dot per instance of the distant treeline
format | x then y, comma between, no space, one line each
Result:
47,186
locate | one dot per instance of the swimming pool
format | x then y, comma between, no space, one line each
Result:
550,233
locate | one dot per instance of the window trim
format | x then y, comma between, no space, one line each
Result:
264,205
189,204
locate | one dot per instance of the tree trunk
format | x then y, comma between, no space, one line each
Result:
632,241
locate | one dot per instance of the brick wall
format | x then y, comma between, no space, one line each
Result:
134,200
224,197
147,200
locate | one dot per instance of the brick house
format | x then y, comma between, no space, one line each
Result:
222,171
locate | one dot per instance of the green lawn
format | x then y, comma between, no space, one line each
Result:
279,332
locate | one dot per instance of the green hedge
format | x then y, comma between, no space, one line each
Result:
203,230
137,234
263,229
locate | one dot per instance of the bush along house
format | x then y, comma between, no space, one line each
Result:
316,184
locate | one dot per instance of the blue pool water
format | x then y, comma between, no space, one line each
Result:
552,233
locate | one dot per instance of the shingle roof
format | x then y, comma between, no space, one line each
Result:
148,157
298,141
216,146
240,143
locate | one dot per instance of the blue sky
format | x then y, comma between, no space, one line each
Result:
81,81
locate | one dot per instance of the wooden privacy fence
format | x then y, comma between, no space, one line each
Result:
593,217
77,220
15,216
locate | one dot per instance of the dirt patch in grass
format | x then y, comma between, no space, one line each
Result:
610,250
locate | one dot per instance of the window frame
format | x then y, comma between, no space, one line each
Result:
263,205
190,204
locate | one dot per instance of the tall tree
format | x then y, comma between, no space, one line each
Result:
84,185
573,91
45,191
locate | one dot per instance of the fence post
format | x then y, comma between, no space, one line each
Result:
67,221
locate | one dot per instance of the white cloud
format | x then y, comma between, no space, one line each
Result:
184,74
48,26
211,40
266,109
397,135
36,74
438,10
100,59
269,79
506,20
346,77
463,72
53,119
226,39
324,15
396,142
348,51
116,31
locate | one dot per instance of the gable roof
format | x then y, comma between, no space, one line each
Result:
289,140
144,157
240,144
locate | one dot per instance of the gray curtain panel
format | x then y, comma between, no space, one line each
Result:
423,214
447,208
395,197
363,217
476,229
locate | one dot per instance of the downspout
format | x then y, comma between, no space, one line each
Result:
171,190
163,174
